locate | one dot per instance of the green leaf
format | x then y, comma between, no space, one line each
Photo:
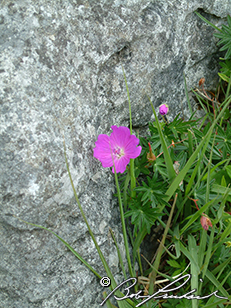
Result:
228,169
220,189
174,264
223,77
184,303
143,216
195,216
225,39
216,283
193,250
226,67
160,249
214,169
208,22
223,181
139,238
108,303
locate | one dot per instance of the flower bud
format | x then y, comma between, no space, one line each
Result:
150,155
163,109
201,81
205,222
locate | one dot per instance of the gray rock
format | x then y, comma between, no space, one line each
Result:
61,78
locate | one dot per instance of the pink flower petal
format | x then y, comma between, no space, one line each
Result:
135,153
120,135
205,222
102,151
121,164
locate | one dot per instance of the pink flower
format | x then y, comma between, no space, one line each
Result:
121,145
163,109
205,222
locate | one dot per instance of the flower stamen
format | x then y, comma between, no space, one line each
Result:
119,152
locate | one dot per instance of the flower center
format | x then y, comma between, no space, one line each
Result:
118,152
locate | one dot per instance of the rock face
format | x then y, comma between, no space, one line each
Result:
61,78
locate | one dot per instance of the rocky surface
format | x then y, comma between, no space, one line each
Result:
61,78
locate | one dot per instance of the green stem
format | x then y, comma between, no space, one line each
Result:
133,179
119,254
123,224
129,101
132,169
228,88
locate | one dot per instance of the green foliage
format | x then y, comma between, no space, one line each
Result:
177,267
143,216
221,254
226,68
225,38
200,157
223,139
183,303
153,192
224,34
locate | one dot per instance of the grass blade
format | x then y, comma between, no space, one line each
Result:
193,250
216,283
160,249
208,22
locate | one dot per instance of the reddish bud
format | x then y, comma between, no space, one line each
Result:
205,222
201,81
150,155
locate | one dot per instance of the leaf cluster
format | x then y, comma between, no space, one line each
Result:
225,38
200,157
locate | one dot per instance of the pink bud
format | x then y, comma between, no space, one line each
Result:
163,109
205,222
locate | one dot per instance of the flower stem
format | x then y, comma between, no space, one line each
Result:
195,201
123,224
132,171
129,101
133,179
122,217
